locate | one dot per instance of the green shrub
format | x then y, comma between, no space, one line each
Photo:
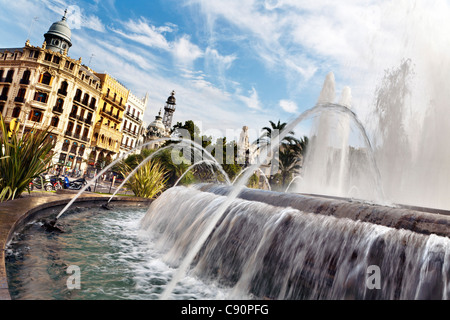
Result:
148,181
21,159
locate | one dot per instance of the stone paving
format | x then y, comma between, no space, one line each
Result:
13,213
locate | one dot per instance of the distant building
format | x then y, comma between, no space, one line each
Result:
169,110
107,135
155,131
133,123
161,127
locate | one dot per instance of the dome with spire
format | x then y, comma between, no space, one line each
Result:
58,37
156,128
171,100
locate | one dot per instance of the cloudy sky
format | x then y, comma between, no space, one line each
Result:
239,62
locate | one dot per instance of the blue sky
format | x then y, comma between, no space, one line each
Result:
239,62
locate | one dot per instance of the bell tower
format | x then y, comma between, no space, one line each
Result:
169,110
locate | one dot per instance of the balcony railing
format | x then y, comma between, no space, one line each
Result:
62,92
6,80
19,99
24,81
3,98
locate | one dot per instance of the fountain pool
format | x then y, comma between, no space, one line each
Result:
259,249
116,260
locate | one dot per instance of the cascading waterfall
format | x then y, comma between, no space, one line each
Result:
277,252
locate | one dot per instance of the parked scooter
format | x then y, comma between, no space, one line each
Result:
76,184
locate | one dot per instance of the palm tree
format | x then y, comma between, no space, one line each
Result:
272,132
291,158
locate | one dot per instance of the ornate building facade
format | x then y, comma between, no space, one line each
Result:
92,116
107,135
43,87
133,123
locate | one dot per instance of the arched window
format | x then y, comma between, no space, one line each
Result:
36,116
16,112
86,99
54,122
63,89
78,95
41,97
60,103
74,148
93,103
46,78
9,76
26,77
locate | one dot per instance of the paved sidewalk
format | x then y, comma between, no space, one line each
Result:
13,213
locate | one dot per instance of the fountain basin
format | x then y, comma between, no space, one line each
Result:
265,248
14,215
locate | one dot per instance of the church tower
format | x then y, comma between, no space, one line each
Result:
58,37
169,110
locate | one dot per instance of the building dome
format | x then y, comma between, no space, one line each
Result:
58,37
157,128
171,99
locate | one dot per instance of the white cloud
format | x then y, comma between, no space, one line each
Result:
94,23
289,106
185,52
251,101
221,62
144,33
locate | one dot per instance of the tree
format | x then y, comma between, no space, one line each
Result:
272,132
291,158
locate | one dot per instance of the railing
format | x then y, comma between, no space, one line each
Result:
19,99
6,80
62,92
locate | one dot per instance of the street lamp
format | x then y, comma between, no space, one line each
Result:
24,123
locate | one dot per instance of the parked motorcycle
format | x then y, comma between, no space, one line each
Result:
41,183
56,182
76,184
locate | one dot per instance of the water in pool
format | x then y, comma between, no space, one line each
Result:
116,261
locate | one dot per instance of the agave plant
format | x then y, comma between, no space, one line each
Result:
148,181
21,159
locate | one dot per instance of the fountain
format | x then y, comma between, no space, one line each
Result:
210,164
270,245
266,181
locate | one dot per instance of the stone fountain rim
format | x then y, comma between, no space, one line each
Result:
421,220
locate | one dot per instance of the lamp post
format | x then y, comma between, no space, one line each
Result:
24,123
